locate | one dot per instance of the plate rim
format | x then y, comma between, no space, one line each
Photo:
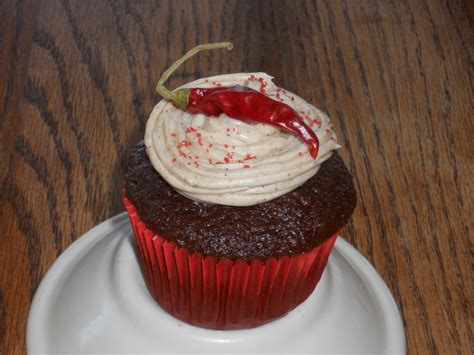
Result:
395,343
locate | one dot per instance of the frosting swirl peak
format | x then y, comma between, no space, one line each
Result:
230,162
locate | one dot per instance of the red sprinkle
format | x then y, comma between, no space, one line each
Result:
173,134
246,166
199,136
184,143
263,84
313,121
278,96
262,81
174,160
292,98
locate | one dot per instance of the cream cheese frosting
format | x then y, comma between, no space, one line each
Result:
230,162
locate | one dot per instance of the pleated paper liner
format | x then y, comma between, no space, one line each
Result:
220,293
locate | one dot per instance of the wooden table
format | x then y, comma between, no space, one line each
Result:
77,83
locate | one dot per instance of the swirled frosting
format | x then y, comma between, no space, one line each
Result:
230,162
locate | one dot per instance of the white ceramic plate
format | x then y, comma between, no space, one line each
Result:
94,300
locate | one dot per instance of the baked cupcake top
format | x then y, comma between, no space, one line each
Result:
290,224
231,162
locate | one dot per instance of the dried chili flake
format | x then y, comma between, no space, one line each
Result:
184,143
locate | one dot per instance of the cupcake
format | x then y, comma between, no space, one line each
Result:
234,219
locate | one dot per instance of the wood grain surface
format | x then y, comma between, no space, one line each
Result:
77,84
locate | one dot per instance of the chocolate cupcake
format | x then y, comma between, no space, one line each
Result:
235,220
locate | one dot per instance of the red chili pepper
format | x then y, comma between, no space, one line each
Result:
237,102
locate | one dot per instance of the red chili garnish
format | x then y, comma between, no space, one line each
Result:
238,102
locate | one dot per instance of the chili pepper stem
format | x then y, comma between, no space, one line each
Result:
180,97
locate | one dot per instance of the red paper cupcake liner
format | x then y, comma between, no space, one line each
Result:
221,293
